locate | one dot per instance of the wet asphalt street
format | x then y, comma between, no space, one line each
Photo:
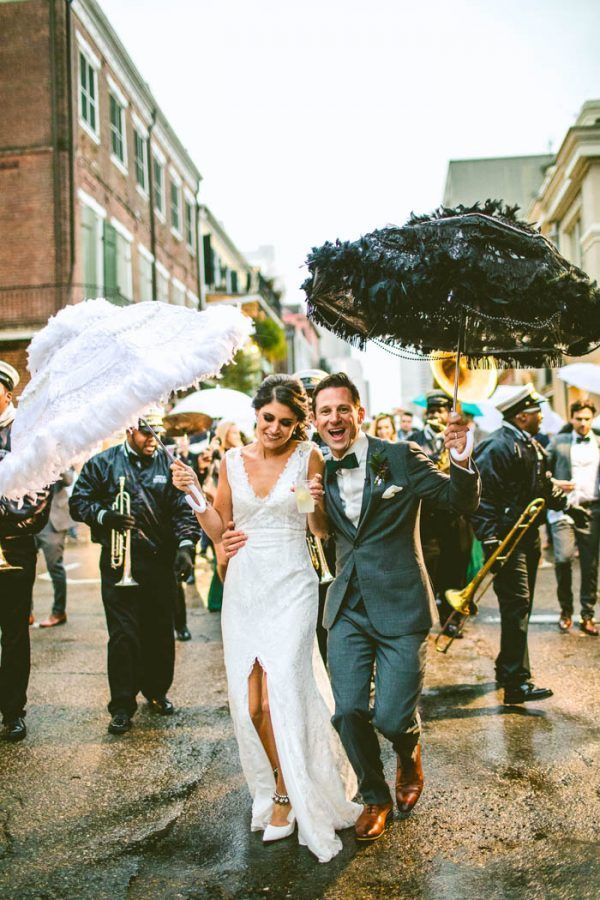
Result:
510,808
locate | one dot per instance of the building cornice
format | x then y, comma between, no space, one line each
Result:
563,180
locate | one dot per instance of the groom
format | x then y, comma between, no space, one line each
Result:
378,609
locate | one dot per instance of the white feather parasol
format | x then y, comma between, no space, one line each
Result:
96,367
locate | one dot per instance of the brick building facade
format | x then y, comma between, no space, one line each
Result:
84,148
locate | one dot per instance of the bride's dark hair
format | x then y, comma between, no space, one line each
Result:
289,392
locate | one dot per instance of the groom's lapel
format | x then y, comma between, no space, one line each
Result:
336,508
371,490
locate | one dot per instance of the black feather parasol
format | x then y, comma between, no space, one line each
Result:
475,269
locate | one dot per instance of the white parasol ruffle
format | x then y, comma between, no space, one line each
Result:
96,367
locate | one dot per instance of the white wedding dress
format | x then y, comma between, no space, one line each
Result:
270,605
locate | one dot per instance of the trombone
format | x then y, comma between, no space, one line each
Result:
318,559
120,541
464,603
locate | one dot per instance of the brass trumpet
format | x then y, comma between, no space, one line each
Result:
318,559
120,541
464,602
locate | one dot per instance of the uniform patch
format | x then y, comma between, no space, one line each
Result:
159,479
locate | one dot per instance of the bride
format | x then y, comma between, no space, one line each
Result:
279,693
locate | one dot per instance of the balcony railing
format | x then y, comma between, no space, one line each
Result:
24,306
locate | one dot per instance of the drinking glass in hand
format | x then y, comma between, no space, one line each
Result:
304,500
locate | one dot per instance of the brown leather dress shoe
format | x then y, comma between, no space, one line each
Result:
372,821
53,620
588,626
564,624
409,781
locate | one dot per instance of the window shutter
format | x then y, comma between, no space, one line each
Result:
111,290
234,282
209,263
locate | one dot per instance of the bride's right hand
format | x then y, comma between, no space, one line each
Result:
232,540
184,476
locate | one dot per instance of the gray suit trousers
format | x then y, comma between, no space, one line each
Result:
353,647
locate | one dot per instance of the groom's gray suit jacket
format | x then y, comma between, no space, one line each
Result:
385,550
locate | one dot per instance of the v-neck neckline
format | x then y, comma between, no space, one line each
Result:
277,480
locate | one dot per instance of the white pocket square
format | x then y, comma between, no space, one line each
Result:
391,491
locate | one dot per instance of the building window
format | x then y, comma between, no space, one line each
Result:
91,252
117,265
141,160
117,131
234,282
177,293
145,275
189,225
176,207
158,175
88,94
162,283
209,261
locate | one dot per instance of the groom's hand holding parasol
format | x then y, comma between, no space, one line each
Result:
456,440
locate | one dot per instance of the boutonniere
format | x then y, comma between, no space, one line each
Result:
379,467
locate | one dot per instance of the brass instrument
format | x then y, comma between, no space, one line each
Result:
463,602
120,541
318,559
5,566
473,384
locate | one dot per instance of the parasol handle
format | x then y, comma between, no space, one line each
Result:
194,499
460,457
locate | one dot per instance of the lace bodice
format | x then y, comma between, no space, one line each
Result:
278,509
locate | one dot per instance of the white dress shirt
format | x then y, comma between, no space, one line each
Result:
351,482
585,458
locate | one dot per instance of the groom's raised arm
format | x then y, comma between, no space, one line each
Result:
458,491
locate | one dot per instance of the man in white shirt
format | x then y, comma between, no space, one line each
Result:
379,607
575,462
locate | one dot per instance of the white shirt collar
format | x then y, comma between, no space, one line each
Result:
360,447
574,437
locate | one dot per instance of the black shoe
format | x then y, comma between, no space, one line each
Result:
162,705
524,693
16,730
120,722
184,634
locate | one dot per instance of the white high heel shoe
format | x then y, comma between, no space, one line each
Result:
279,832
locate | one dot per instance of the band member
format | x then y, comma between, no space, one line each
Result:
163,532
446,536
9,379
574,462
514,471
18,525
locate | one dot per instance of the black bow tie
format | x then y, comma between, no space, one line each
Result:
582,440
347,462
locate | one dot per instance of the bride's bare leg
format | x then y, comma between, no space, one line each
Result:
258,704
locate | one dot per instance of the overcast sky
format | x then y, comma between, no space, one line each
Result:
316,119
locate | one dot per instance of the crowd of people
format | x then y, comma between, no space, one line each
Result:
317,525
